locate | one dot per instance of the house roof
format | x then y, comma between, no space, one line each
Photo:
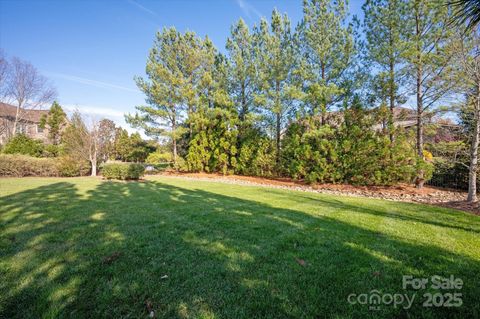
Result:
7,110
402,113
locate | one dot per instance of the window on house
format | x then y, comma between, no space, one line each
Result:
21,128
39,129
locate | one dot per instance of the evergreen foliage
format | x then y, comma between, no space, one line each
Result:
22,144
55,121
315,102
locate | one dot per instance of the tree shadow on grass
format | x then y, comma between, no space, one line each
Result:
428,215
193,253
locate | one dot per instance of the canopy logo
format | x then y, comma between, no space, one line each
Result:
445,297
375,299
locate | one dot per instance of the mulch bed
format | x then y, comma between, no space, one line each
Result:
403,192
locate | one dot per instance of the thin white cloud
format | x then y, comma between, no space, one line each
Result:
94,110
91,82
99,112
143,8
248,9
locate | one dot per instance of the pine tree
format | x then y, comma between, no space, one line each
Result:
328,49
212,144
121,144
55,121
190,57
384,23
276,60
240,48
165,90
429,58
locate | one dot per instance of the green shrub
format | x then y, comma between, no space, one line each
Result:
354,154
157,168
159,158
51,150
22,144
70,167
181,165
123,171
257,158
23,165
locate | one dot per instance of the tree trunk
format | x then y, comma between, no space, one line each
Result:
392,99
174,151
174,142
472,171
190,124
242,114
420,173
420,180
323,106
243,107
17,119
391,85
278,121
94,166
278,138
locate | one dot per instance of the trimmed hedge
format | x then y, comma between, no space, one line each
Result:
70,167
22,144
123,171
23,165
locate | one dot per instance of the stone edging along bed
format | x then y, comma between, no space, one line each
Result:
403,193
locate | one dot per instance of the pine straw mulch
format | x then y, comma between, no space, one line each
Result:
403,192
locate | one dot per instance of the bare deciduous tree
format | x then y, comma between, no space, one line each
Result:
4,75
82,142
27,89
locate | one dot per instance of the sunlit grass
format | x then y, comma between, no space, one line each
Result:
83,247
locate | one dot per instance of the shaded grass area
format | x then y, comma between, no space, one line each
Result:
88,248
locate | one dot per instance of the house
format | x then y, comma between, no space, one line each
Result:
29,123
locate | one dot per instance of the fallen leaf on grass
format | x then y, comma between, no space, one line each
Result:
149,306
110,259
301,262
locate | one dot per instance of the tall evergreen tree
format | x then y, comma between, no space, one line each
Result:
328,48
190,62
164,87
55,121
386,20
276,58
466,12
212,145
429,57
240,48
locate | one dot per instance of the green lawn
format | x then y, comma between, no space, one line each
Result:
88,248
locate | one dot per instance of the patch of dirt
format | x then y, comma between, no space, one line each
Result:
402,192
111,258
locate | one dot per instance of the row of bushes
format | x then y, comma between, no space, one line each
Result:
23,165
123,171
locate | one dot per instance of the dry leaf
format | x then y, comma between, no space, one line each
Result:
110,259
301,262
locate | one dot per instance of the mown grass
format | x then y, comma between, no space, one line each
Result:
86,248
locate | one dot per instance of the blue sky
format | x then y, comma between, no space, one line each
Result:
91,50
